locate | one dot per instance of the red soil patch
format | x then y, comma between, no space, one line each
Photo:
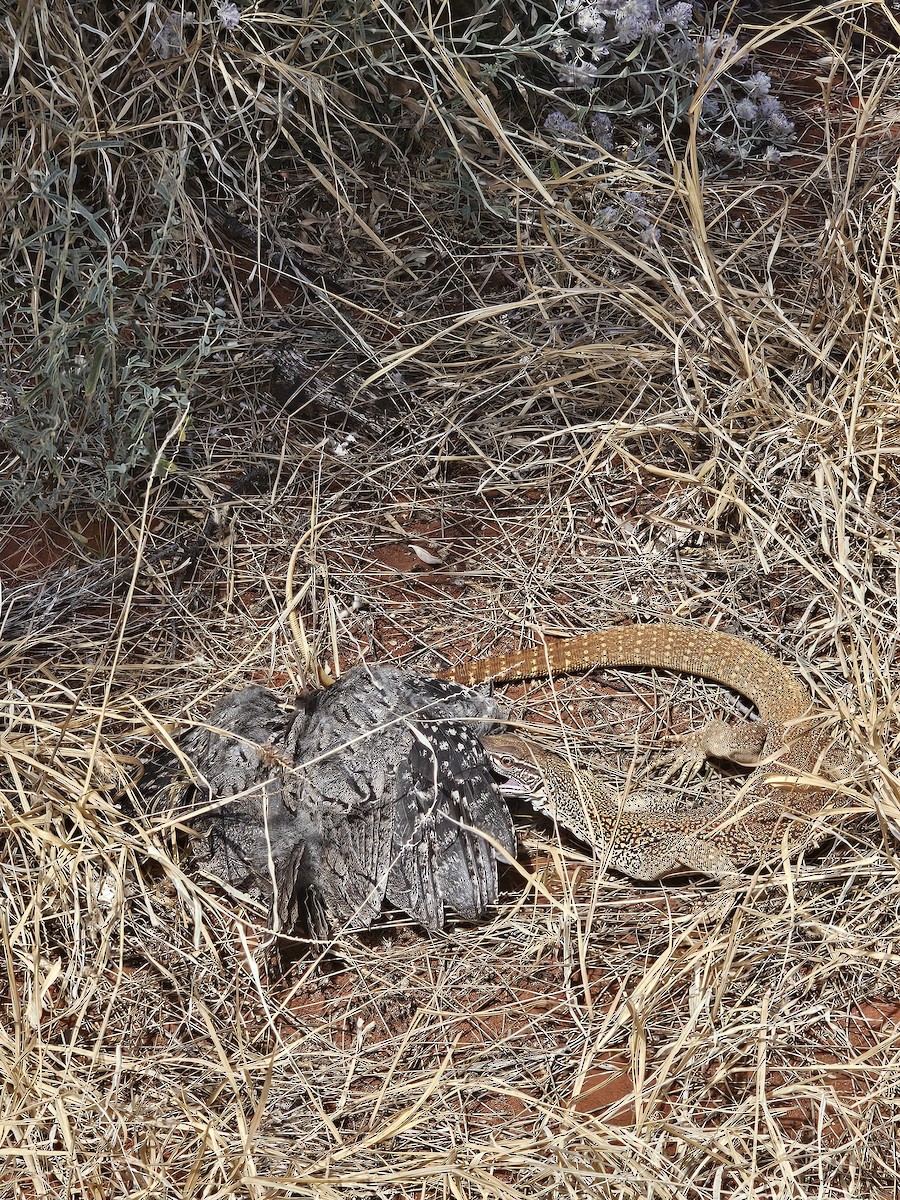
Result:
32,547
608,1092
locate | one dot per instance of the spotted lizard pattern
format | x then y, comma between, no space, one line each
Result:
640,840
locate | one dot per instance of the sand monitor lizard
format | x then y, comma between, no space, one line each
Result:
642,841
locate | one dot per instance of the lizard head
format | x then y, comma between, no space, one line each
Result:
518,763
545,780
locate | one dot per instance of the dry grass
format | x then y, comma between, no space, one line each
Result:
581,430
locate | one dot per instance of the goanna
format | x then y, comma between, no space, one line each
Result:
641,839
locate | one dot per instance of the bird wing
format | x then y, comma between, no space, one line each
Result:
345,778
446,802
380,788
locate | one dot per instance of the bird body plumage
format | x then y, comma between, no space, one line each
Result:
379,790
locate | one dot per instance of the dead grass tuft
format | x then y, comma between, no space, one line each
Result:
502,418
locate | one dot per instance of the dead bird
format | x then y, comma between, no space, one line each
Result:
378,791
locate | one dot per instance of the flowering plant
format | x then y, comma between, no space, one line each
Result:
633,68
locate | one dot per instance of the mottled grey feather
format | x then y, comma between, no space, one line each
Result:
250,825
446,801
379,790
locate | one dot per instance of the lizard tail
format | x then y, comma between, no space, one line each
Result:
721,657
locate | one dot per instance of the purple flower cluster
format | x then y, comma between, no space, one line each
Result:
563,126
636,206
758,85
229,15
606,43
776,122
631,211
719,49
626,21
602,130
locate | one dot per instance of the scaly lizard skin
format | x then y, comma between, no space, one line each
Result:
640,839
